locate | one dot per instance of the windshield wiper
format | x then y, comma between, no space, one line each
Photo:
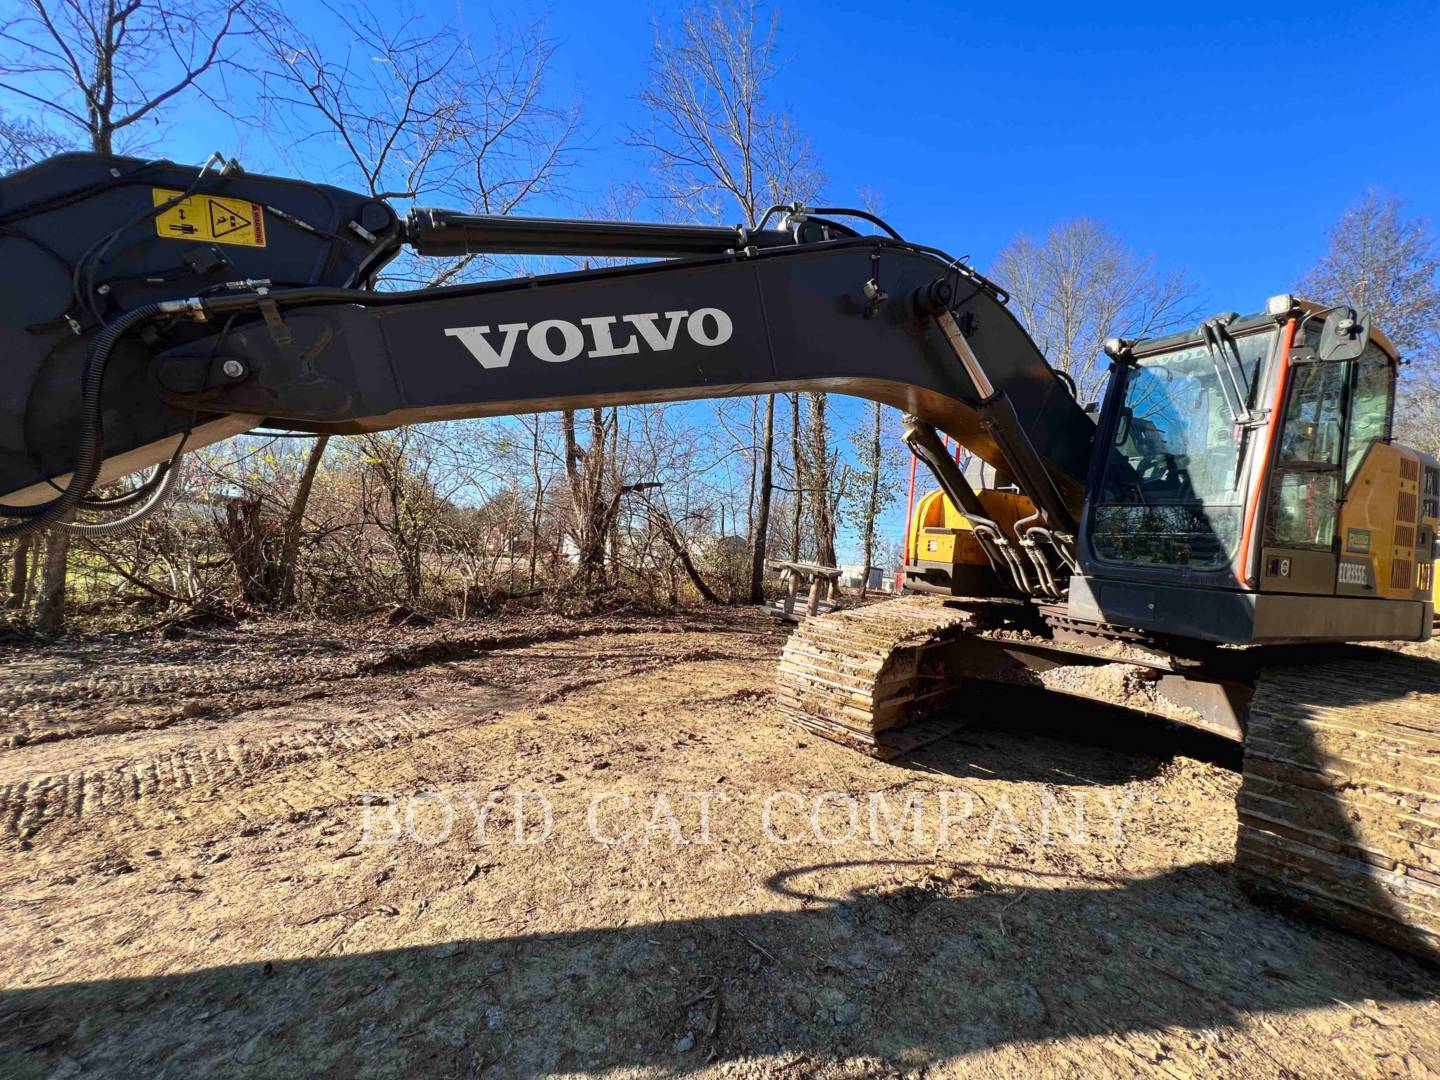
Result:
1224,354
1230,372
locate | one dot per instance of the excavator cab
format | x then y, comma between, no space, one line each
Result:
1245,487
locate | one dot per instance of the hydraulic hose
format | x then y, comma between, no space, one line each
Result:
131,498
162,494
90,447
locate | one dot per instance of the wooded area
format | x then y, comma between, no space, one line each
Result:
655,505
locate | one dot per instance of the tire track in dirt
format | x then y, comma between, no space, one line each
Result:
28,805
35,705
698,655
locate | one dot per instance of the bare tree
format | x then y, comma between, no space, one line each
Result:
1418,410
416,114
825,475
101,67
879,480
760,526
19,574
1388,264
538,487
585,469
722,148
797,476
24,142
295,521
1082,284
50,600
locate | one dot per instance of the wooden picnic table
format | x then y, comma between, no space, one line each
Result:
823,581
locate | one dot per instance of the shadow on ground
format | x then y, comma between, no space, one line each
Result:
1017,733
968,962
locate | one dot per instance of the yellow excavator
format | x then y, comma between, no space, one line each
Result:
1204,545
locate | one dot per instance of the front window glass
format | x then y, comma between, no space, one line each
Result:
1170,494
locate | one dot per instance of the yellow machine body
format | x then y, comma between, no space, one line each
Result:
1387,526
944,555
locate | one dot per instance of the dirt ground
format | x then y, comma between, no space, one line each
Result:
198,876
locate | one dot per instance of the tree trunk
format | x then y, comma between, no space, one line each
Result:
290,546
537,505
32,580
820,476
250,538
585,469
797,459
762,508
19,574
872,505
50,603
671,535
595,532
754,469
610,544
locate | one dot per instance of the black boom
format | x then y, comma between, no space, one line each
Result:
274,321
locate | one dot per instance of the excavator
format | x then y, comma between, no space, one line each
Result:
1207,544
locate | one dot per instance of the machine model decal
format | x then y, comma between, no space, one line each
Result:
558,340
1358,541
1354,573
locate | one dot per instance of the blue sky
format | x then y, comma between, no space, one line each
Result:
1222,138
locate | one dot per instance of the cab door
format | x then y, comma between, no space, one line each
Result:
1335,412
1299,552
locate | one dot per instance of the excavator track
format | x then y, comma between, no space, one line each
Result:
1340,804
867,676
1339,808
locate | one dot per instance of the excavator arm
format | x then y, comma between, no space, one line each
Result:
147,308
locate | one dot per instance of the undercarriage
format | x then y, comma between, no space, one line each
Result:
1339,811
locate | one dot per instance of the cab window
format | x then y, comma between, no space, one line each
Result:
1172,490
1312,432
1371,398
1305,490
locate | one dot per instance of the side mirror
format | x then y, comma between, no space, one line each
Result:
1345,335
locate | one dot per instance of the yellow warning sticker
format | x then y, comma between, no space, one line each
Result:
206,217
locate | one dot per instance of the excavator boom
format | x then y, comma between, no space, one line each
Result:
284,328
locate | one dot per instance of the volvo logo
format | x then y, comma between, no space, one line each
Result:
557,340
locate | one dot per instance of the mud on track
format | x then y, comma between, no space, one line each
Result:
184,886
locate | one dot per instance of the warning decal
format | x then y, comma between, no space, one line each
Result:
206,217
